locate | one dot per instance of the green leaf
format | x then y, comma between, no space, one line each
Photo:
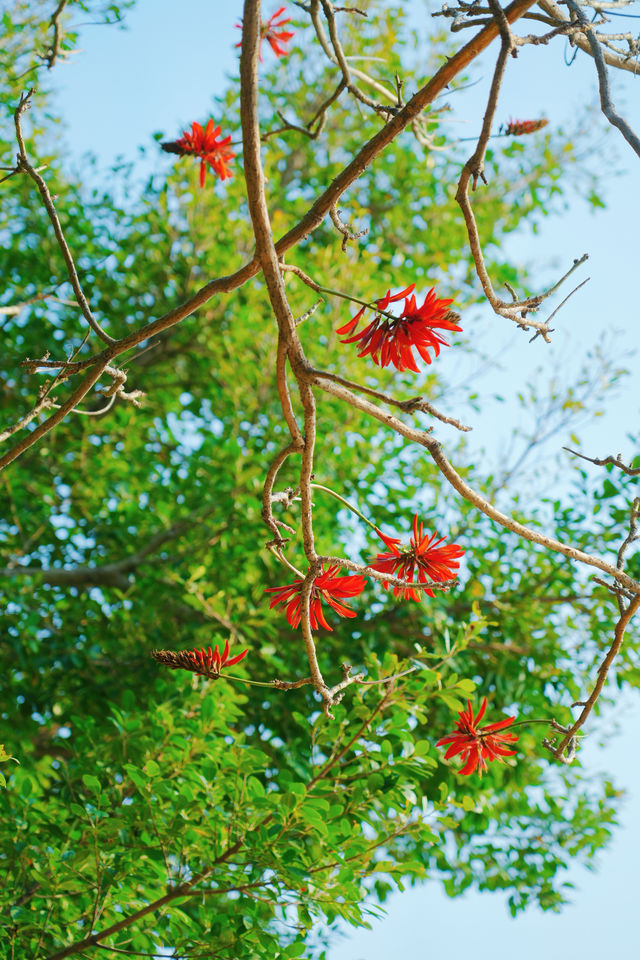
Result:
92,783
137,776
296,949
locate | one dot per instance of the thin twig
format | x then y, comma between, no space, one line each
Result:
25,166
267,493
414,405
43,403
387,579
347,232
603,670
616,461
631,537
173,893
319,119
481,503
15,308
343,500
193,885
540,333
633,534
53,52
283,392
557,18
290,343
473,171
336,54
606,103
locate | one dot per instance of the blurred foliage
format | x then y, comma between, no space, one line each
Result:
134,780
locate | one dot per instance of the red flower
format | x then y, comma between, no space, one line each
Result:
206,663
391,339
433,562
327,586
273,36
516,128
211,663
204,144
477,745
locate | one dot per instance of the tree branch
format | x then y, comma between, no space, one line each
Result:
53,52
606,103
24,166
570,734
109,574
312,219
435,450
616,461
613,59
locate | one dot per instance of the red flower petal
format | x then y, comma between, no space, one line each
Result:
384,302
478,744
328,586
205,145
238,657
351,325
424,558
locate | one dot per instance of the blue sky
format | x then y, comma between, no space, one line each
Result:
163,71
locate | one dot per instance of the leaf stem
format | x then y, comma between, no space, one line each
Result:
525,723
252,683
319,486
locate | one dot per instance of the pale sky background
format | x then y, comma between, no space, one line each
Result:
162,72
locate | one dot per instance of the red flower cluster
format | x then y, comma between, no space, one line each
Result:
271,31
391,340
212,662
517,128
424,554
206,663
204,144
328,586
478,744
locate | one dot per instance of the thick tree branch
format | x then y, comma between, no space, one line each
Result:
268,258
114,574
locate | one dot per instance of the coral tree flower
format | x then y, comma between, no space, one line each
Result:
424,554
206,663
328,586
478,744
271,31
204,143
517,128
392,340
